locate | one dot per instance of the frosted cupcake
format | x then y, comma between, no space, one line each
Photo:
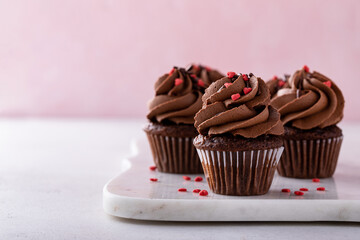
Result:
171,121
310,108
238,143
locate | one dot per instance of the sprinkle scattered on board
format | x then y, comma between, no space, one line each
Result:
152,168
203,193
182,190
286,190
153,179
196,190
299,193
304,189
198,179
316,180
186,178
320,189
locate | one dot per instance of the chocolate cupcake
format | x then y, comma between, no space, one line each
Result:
310,108
238,143
171,121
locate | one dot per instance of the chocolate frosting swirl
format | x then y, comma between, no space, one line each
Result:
206,74
248,115
177,98
311,100
276,83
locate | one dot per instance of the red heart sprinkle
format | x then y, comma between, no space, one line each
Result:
182,190
178,81
198,179
200,83
281,83
299,193
235,96
304,189
207,68
320,189
187,178
195,67
274,77
230,74
196,190
203,193
247,90
193,75
153,179
227,84
285,190
245,77
316,180
306,68
172,71
328,83
152,168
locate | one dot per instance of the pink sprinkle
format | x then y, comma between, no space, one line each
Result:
153,179
304,189
227,84
182,190
274,77
178,81
172,71
198,179
306,68
285,190
196,190
152,168
320,189
299,193
316,180
193,75
281,83
245,77
200,83
207,68
231,74
328,83
203,193
235,96
247,90
186,178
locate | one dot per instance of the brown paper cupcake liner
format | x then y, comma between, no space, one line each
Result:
240,173
174,154
310,158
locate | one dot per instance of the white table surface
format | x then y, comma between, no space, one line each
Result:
52,173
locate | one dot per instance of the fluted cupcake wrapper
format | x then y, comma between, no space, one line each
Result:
240,173
174,154
310,158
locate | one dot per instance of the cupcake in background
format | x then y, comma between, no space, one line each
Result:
171,121
310,108
276,83
205,73
238,143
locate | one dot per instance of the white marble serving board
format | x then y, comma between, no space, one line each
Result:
132,195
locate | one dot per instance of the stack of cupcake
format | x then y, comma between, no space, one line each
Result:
235,128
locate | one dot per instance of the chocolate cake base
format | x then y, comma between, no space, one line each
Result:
239,166
310,153
172,148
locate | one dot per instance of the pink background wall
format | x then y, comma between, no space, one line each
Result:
101,58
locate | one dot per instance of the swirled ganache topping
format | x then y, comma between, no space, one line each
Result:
277,83
205,73
238,105
177,97
311,100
